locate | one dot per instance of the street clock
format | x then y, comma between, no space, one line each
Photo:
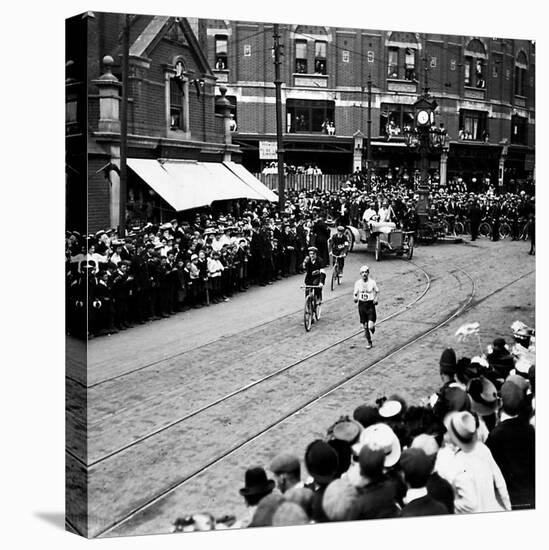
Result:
424,109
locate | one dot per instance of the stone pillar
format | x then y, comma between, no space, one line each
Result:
358,141
225,107
444,167
109,99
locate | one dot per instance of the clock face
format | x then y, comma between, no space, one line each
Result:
423,117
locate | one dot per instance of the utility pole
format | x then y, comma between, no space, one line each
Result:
279,143
124,128
369,134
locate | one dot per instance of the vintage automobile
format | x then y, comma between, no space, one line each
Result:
382,238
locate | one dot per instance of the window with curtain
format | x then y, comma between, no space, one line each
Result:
474,68
473,125
392,65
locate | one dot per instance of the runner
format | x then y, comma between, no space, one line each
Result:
365,294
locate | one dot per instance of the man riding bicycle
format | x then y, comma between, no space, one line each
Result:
339,247
314,272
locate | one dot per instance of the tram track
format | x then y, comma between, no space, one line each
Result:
308,402
257,382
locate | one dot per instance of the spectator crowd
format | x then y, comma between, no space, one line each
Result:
160,270
468,448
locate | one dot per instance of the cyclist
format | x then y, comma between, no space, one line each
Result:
314,272
365,294
339,245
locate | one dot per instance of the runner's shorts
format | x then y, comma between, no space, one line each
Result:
367,311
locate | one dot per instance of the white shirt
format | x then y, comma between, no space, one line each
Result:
365,290
368,214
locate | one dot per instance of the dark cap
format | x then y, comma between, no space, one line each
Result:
285,463
416,466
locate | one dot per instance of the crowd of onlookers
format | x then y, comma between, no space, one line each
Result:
469,447
158,270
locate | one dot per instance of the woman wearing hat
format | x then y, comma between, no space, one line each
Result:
469,466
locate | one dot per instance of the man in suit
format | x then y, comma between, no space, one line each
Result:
512,444
417,467
475,215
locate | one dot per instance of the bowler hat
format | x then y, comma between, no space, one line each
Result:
366,415
256,482
483,394
321,461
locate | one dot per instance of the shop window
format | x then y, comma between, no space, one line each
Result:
309,116
301,56
320,57
221,50
519,130
474,68
396,120
473,125
521,65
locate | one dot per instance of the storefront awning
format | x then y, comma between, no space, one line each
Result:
250,180
190,184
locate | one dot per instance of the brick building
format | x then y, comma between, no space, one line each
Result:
172,125
484,87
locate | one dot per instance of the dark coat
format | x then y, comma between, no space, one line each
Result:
513,446
377,500
424,506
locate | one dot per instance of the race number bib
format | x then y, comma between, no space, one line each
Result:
363,295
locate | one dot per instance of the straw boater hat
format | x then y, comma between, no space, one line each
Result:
380,437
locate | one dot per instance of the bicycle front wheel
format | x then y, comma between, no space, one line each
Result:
504,230
318,305
308,313
334,277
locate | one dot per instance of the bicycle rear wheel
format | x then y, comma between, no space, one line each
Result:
485,230
459,228
308,313
504,230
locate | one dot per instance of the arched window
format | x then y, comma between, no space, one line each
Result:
475,64
521,67
402,55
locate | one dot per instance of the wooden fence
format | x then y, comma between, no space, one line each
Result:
304,182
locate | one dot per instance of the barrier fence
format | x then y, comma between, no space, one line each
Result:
305,182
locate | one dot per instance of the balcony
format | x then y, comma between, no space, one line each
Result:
401,85
222,76
471,92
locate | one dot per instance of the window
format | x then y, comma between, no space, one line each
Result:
519,130
320,57
309,116
392,68
395,119
300,56
521,65
397,69
176,104
473,125
474,70
410,64
221,49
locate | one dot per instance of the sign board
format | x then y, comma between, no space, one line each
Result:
267,150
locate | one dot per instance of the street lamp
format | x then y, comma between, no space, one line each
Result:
424,137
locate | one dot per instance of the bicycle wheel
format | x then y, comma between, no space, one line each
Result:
350,237
459,228
410,252
334,276
444,228
308,313
485,230
504,230
318,305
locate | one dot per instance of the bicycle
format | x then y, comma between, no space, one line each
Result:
336,271
311,310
